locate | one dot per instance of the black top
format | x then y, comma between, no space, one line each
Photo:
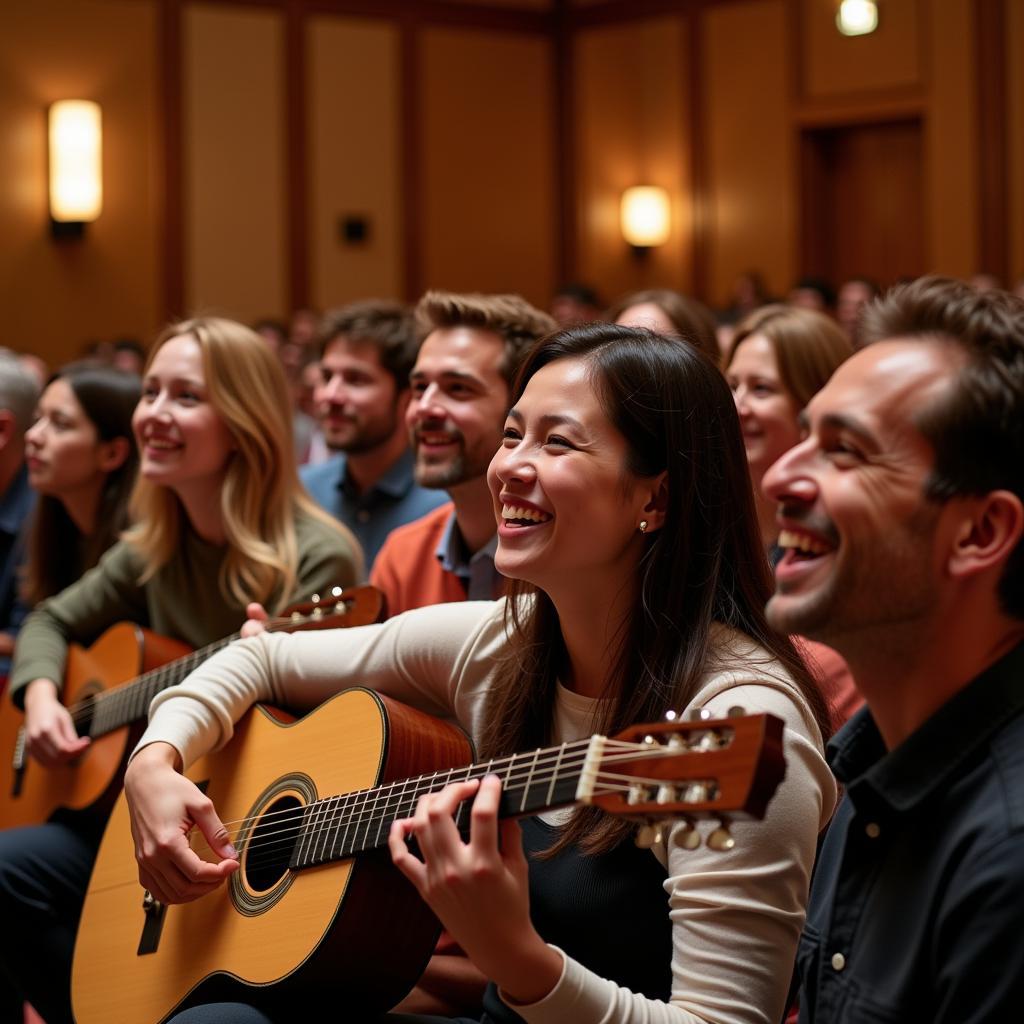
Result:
917,905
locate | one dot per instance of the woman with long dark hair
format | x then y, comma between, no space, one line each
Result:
81,457
625,515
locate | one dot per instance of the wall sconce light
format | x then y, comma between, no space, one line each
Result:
645,216
857,17
76,181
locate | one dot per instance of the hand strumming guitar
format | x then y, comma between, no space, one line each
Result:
50,735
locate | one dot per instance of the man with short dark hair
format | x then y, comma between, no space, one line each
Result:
361,397
461,383
902,515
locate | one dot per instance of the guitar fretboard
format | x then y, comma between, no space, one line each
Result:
129,703
340,826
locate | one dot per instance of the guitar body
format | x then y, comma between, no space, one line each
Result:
89,784
272,936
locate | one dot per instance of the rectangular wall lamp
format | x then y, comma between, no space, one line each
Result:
76,178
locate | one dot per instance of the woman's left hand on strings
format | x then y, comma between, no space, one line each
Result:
479,889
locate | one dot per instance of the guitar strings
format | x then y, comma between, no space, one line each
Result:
125,693
372,809
261,853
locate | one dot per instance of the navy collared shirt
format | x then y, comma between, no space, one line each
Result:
917,905
482,581
394,500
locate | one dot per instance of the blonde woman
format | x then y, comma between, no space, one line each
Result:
221,523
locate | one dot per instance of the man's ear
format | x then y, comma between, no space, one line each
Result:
655,510
990,528
113,453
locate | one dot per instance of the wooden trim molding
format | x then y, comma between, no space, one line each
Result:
171,144
993,187
296,174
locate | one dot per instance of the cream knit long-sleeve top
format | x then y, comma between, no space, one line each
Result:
736,916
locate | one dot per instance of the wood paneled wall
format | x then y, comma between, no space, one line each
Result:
467,134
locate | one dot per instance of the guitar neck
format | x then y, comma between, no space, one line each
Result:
129,702
337,827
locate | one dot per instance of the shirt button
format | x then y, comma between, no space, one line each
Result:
363,515
873,830
838,961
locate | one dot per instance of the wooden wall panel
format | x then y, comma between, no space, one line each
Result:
751,145
889,58
1015,135
951,159
56,296
234,167
486,160
355,158
631,94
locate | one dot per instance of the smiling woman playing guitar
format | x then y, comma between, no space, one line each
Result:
625,514
221,522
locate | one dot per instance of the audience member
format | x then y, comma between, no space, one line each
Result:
361,398
82,458
813,293
780,358
902,514
984,282
220,521
472,348
129,355
669,313
575,304
628,522
854,295
18,395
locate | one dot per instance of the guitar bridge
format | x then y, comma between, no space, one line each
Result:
152,925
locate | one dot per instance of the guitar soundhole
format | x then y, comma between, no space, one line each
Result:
270,847
267,841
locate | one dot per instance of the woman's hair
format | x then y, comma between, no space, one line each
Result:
693,321
705,565
57,553
808,347
261,493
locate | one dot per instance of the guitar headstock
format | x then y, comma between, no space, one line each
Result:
702,768
334,609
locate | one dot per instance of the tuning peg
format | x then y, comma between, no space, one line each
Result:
666,794
695,793
670,715
676,744
721,838
637,794
315,599
647,835
685,835
736,711
698,714
335,591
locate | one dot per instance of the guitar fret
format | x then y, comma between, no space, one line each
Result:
529,779
554,773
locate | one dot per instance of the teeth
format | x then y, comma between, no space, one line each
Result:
162,445
529,514
435,438
800,541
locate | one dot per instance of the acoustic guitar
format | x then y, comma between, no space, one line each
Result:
316,910
107,689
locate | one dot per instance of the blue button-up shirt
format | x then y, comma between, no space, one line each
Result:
395,499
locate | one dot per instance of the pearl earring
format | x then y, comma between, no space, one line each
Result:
643,525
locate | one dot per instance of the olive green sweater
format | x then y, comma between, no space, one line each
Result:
183,600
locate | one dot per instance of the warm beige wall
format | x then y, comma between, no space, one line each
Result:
630,124
353,77
57,296
234,167
1015,135
951,151
834,64
486,161
751,144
